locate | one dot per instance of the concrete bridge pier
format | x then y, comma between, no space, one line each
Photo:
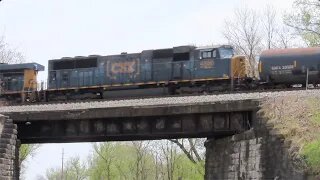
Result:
258,153
9,149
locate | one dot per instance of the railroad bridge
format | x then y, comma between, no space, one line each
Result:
239,146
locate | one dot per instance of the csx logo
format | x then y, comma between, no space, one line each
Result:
127,67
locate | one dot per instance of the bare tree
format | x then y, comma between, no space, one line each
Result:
194,149
243,33
140,163
8,54
269,25
278,34
286,38
189,148
169,152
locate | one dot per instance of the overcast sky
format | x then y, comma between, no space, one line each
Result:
47,29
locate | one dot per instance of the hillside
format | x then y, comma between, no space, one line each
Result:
297,119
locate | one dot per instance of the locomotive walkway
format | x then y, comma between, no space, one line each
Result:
237,146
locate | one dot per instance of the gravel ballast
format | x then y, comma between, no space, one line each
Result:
160,101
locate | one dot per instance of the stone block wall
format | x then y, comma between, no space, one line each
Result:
259,153
8,150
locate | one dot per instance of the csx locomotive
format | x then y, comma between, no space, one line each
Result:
177,70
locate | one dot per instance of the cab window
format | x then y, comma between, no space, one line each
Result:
208,54
226,53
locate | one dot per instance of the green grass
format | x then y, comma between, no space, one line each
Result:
316,117
311,153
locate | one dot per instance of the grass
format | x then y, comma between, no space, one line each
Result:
297,118
311,153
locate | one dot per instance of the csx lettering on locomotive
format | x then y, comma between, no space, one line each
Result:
126,67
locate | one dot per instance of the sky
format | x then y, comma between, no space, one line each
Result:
49,29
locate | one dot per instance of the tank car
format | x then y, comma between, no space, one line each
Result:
290,66
18,82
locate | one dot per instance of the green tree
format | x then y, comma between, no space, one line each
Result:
187,170
74,170
182,159
305,19
121,161
138,160
25,151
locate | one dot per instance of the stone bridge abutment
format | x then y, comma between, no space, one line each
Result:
9,149
259,153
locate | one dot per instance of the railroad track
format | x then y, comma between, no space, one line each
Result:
159,101
162,96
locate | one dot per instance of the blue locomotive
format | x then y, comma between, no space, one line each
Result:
183,69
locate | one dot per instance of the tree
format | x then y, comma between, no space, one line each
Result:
305,19
8,54
122,161
102,159
243,34
25,151
143,163
169,152
194,150
183,159
74,170
269,25
277,34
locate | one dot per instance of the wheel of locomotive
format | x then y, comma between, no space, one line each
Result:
172,89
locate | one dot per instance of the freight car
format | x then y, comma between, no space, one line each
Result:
287,67
19,81
177,70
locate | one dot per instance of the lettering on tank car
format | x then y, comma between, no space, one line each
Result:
128,67
284,69
206,64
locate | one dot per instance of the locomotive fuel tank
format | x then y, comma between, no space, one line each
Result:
290,66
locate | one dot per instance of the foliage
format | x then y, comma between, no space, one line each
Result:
185,169
25,151
121,161
74,170
138,160
297,119
311,152
305,19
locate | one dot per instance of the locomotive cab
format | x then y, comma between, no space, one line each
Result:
19,81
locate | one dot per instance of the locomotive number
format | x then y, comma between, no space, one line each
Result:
206,64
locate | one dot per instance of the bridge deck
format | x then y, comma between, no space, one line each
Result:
154,118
